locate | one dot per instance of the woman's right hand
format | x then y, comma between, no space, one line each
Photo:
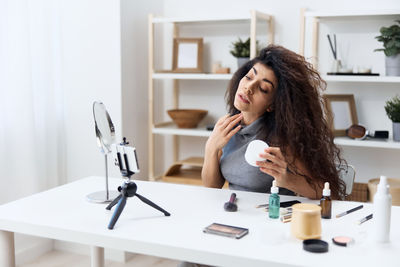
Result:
223,131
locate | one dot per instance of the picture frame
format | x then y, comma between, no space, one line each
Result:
341,112
187,55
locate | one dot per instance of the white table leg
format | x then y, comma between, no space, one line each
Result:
97,255
7,250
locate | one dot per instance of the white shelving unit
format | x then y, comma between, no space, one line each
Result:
168,128
354,13
316,16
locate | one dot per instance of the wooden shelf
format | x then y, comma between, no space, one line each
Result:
328,78
353,13
172,129
210,19
191,76
367,79
192,161
186,171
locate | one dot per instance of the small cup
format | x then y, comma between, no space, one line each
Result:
254,148
336,65
306,221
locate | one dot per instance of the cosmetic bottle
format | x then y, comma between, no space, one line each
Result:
382,210
326,202
274,202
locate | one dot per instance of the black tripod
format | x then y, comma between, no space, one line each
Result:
128,189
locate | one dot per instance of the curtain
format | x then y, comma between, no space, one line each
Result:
32,143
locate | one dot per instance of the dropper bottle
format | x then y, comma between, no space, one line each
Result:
326,202
274,202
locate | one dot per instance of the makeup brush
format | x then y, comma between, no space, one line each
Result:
231,206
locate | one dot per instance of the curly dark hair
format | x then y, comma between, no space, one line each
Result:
297,123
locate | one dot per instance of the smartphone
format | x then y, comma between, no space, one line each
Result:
226,230
130,154
290,203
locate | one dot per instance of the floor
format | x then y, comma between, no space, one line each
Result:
65,259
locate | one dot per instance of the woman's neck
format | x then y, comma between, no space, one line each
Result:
249,118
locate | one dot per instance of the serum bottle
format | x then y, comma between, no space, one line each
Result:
382,210
274,202
326,202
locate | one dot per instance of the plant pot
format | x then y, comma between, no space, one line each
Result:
242,60
393,65
396,131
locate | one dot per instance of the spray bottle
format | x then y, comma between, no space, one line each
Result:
274,202
382,210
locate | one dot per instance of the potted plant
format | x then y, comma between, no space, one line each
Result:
241,50
390,37
392,108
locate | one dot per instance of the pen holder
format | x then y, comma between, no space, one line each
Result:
306,221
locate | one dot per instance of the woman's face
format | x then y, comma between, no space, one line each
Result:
256,92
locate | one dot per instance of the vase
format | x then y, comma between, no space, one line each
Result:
242,60
392,64
396,131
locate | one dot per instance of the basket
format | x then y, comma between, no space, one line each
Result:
394,189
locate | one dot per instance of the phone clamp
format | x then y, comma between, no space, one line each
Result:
128,189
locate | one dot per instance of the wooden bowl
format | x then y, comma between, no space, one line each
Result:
187,118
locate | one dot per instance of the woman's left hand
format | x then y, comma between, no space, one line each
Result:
276,166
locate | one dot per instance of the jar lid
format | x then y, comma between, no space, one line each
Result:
315,245
306,207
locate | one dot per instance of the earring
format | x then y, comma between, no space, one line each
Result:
269,109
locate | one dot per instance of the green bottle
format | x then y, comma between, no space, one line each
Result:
274,202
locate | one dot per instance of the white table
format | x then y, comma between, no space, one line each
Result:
63,213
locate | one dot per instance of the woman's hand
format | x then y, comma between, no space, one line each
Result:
276,166
223,131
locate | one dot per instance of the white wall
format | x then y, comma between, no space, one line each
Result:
355,43
134,51
91,70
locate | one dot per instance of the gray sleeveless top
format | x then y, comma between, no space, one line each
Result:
235,169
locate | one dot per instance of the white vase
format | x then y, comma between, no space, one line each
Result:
396,131
393,65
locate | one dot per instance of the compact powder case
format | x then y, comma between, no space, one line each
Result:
343,241
315,245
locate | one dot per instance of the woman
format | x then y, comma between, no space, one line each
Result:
275,97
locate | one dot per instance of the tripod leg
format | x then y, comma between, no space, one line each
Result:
117,212
148,202
114,202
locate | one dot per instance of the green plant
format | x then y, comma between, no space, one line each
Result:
390,36
392,108
240,48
